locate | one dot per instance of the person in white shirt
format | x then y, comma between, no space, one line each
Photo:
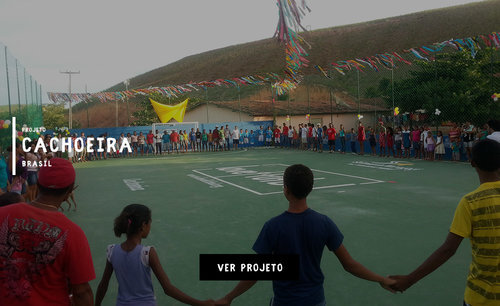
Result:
304,137
494,130
158,139
423,141
236,137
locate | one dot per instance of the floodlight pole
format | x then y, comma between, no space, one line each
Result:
69,73
7,75
206,99
127,82
392,89
87,102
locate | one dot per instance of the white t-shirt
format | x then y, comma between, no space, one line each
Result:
423,137
158,137
304,133
236,134
494,136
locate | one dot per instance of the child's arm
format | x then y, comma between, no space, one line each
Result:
168,287
358,270
82,295
240,288
103,285
439,257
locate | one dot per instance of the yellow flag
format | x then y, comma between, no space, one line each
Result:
167,112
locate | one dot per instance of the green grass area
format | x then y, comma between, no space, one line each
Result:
391,219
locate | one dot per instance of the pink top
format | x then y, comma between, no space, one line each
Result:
415,135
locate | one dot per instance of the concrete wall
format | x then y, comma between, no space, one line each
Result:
348,120
215,114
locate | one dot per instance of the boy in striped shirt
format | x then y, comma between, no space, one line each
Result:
476,218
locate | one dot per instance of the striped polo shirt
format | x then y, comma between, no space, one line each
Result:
478,217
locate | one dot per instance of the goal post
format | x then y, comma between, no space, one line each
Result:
169,127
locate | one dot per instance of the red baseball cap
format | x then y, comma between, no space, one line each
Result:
59,174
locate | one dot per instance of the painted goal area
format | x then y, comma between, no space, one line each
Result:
267,179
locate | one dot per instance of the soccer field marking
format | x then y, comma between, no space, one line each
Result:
252,175
134,184
368,183
348,175
334,186
229,183
315,188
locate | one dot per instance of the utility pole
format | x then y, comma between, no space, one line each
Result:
70,117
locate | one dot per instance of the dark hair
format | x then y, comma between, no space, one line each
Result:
131,219
19,170
486,155
55,192
494,124
10,198
299,180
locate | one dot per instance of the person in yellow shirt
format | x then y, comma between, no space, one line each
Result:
477,217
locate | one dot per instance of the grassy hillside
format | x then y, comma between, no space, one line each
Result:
332,44
328,45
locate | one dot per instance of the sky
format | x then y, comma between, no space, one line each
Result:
109,41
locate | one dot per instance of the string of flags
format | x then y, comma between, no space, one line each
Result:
172,91
289,23
389,60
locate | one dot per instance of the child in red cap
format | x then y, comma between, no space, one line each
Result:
44,255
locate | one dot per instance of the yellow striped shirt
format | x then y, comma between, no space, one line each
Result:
478,217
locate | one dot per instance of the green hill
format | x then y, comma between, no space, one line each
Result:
331,44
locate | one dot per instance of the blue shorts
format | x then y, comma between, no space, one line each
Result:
416,145
32,178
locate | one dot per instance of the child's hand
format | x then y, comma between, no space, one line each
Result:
387,284
207,303
402,282
223,302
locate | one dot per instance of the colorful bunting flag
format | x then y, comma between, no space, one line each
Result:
167,112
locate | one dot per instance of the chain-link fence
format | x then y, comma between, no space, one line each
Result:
448,88
20,96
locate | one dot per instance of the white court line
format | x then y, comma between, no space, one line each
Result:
374,167
239,167
322,187
333,186
372,181
274,192
248,174
359,177
229,183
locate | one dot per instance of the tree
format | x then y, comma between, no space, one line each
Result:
455,83
53,116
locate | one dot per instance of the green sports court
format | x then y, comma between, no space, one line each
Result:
393,214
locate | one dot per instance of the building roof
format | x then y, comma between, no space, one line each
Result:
341,103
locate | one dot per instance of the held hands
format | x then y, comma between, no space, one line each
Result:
207,303
387,284
402,282
223,302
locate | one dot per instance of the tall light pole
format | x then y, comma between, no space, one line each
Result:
127,83
70,119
